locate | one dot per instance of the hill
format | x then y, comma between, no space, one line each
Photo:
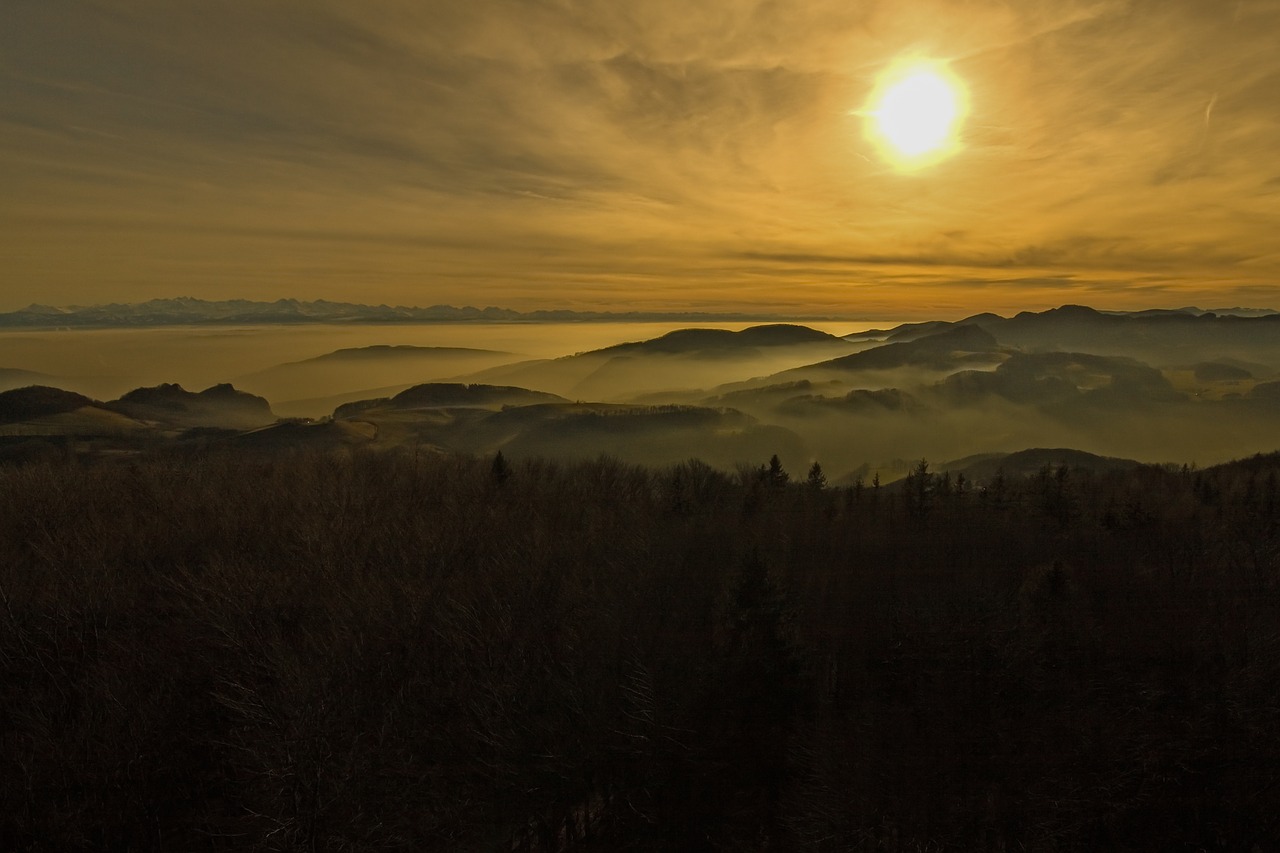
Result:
1160,338
945,350
686,341
172,405
211,648
1062,378
1024,463
378,352
483,419
441,395
39,401
680,361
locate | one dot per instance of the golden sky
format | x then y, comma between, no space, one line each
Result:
656,154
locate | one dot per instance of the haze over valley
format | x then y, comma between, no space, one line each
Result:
1155,386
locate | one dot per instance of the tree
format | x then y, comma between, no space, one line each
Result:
775,476
817,479
499,470
919,488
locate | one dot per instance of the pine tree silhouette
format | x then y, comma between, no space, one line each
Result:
817,479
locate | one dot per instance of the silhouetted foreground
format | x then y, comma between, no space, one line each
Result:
370,652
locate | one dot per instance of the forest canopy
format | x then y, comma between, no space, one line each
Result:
361,650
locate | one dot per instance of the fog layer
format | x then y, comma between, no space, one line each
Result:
1152,387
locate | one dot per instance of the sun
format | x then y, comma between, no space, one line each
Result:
915,112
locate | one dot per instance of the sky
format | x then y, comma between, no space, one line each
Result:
655,154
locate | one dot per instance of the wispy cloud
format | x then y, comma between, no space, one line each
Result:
625,155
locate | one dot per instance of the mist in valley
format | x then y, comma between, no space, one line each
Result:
865,403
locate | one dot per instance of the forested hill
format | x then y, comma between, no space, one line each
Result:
433,652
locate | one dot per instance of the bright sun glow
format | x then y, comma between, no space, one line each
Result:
915,112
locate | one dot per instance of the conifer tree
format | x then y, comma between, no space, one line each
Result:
775,476
500,470
817,479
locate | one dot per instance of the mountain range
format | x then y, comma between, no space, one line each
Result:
183,311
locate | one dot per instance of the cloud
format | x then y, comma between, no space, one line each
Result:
625,154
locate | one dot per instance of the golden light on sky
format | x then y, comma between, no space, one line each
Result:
915,113
652,155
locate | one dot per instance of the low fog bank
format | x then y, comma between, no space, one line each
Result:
1200,389
106,363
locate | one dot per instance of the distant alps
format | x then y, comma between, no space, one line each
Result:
183,311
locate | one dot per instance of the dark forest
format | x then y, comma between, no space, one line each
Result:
202,650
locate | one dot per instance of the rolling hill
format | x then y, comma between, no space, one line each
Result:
173,406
